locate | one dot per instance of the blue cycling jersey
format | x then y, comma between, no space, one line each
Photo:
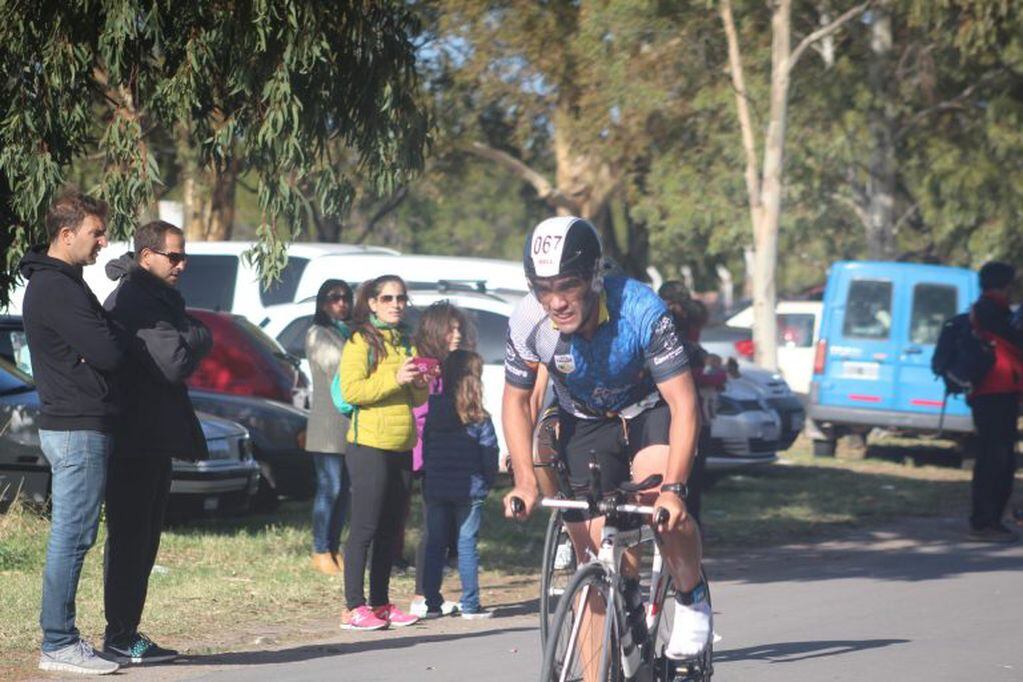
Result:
634,348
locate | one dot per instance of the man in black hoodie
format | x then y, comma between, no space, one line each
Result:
75,349
158,424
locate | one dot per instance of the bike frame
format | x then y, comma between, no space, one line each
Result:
614,543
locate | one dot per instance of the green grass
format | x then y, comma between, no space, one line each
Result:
804,498
221,582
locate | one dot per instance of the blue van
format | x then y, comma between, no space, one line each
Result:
872,366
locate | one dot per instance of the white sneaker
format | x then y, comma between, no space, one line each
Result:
418,608
482,614
563,556
691,630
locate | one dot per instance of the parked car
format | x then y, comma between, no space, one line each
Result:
872,366
276,430
744,431
484,275
245,361
728,342
798,328
225,481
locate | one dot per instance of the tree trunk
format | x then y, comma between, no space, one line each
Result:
220,217
881,182
765,192
765,334
207,196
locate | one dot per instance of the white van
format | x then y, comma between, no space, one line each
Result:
288,324
501,277
219,278
799,325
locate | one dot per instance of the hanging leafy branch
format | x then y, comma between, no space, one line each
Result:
269,83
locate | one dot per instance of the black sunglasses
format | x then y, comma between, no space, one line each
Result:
387,298
337,296
173,257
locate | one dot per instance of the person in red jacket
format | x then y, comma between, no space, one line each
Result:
995,406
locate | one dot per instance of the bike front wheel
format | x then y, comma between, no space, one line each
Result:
582,642
557,569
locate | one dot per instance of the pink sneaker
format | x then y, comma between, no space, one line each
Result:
363,618
395,616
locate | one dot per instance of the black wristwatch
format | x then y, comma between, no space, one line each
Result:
680,489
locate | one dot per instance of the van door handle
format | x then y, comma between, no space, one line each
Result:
912,350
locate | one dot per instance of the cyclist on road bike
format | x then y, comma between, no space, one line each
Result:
625,395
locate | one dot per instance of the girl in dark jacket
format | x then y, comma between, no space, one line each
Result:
459,465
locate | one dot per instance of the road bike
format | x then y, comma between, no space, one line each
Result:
630,644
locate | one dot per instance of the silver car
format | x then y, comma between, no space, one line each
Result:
227,480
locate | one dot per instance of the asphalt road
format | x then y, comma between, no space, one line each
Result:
912,601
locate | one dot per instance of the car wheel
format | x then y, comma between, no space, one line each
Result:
824,448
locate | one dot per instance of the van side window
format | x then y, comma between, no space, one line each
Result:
868,310
208,282
932,305
283,289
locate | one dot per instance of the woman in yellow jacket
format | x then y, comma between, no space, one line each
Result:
381,381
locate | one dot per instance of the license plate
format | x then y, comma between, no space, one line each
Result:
210,503
860,370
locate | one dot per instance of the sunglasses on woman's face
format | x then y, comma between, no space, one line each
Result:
389,298
336,296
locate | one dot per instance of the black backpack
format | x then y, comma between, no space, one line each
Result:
961,358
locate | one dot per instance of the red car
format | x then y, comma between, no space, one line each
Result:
245,361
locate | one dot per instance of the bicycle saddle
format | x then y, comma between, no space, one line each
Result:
635,487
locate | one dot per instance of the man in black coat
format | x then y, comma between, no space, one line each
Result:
158,424
75,350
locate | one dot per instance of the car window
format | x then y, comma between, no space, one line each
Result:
293,336
491,330
795,330
208,281
932,305
283,290
868,310
13,380
257,335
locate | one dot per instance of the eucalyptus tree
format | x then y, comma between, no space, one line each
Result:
265,87
574,99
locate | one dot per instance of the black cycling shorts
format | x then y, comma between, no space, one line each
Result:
613,442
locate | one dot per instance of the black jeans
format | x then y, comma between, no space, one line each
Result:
994,417
137,492
380,485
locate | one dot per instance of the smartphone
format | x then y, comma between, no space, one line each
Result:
424,365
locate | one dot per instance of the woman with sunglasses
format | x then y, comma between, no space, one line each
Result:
325,433
382,381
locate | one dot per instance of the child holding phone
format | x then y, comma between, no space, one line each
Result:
459,464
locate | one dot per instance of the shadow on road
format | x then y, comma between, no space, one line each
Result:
792,652
910,550
374,642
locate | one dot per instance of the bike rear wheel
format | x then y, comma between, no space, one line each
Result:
557,570
582,643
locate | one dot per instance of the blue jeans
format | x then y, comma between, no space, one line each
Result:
330,503
78,464
440,515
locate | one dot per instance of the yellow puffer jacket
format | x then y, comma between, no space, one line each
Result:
383,416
